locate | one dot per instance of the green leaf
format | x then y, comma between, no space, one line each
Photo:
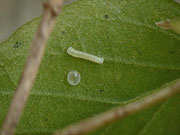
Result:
176,25
139,57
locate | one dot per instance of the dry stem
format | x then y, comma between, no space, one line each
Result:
119,113
51,10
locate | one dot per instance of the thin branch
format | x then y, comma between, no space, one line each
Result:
103,119
51,9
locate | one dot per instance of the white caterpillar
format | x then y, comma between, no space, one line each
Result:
71,51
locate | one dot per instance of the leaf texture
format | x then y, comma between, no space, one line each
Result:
139,57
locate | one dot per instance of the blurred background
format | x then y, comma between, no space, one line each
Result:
14,13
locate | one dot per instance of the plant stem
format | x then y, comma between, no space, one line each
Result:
108,117
51,9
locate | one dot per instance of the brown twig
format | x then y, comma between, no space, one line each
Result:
51,10
103,119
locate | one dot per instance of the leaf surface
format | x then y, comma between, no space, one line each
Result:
139,57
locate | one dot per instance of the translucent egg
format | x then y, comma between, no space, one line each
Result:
73,77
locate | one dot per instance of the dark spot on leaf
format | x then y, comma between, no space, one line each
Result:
17,44
101,91
63,32
46,119
140,52
172,52
106,16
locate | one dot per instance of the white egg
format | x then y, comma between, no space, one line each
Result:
73,77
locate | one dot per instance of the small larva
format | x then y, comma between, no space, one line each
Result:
71,51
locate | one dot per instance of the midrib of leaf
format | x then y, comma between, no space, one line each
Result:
116,60
41,93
